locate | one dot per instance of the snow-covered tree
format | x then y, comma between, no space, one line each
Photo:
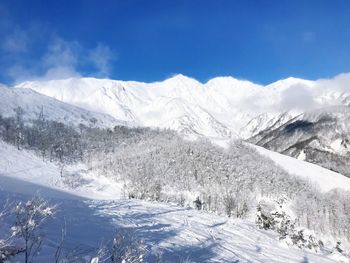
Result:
8,248
124,248
30,217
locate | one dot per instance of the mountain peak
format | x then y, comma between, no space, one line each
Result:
180,78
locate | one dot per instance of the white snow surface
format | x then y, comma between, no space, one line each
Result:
178,232
21,165
224,107
323,178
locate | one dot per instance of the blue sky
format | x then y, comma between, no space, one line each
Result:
261,41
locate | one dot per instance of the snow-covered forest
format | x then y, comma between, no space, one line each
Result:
159,165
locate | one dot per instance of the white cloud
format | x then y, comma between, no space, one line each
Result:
62,53
61,72
60,59
101,57
319,93
298,97
339,83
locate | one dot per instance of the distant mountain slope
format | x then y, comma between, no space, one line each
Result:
325,179
34,103
321,137
223,107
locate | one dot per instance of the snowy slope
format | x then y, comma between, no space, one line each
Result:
223,107
179,233
25,166
325,179
33,103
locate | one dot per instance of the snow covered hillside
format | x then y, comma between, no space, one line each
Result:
17,166
34,104
319,136
223,107
179,233
321,177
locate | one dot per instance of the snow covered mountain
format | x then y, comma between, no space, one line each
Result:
223,107
301,118
320,136
169,104
34,103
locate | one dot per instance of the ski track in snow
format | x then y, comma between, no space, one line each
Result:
183,233
177,233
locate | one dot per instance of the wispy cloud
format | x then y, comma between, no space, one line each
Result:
101,57
298,97
62,53
60,58
339,83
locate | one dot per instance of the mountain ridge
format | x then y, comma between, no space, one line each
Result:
222,107
33,104
321,136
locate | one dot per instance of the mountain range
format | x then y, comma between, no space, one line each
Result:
301,118
223,107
